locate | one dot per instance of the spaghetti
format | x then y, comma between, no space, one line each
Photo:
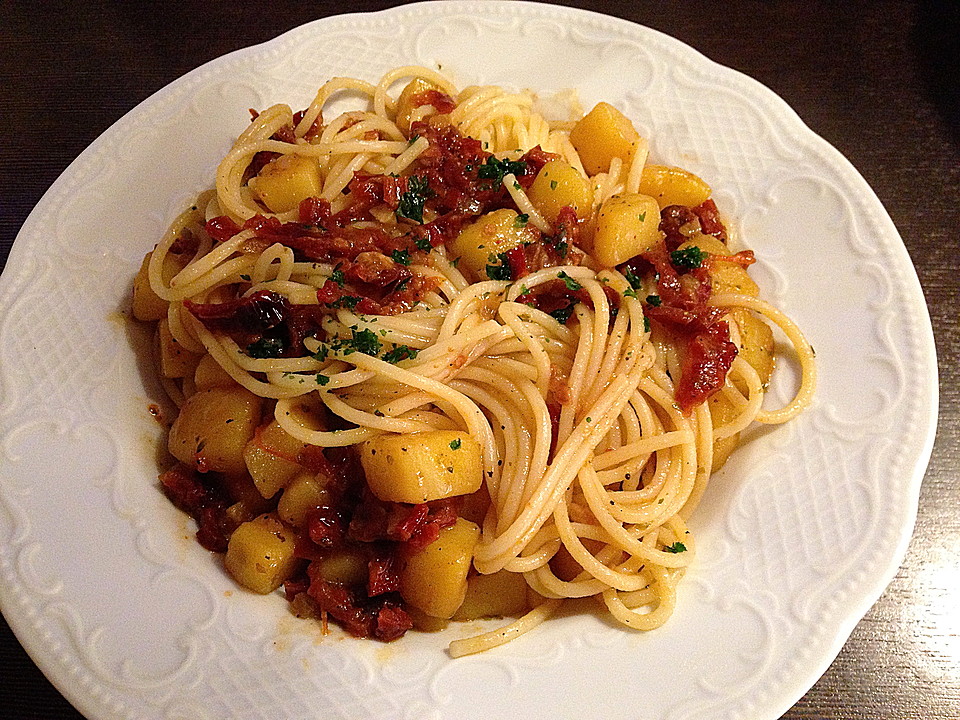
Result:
444,272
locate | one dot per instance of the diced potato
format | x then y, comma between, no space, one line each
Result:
558,185
725,276
248,502
271,458
434,580
344,567
304,493
673,186
423,466
260,554
405,107
501,594
602,134
213,427
722,411
756,342
147,305
175,360
287,180
626,226
481,241
210,374
424,622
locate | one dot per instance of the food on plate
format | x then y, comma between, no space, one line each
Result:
437,357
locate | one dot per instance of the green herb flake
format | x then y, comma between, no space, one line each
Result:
654,300
400,352
635,282
677,547
501,270
553,184
337,276
571,284
688,258
412,201
423,243
401,257
521,220
362,341
322,379
266,347
455,444
494,169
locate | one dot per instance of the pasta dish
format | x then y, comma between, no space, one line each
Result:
437,357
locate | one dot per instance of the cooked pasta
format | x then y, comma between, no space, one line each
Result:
440,357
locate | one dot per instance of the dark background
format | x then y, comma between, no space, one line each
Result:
876,79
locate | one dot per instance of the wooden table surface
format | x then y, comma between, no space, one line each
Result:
873,78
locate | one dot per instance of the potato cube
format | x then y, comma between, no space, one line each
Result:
756,342
147,306
435,579
271,458
344,567
725,277
626,226
423,466
501,594
722,412
558,185
213,428
304,493
210,374
287,180
260,554
175,360
673,186
479,243
601,135
405,107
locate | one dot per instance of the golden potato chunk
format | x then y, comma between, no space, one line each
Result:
423,466
175,360
287,180
147,306
501,594
756,342
479,243
344,567
626,226
559,185
722,412
271,458
435,579
673,186
213,428
260,554
304,493
405,106
601,135
725,277
210,374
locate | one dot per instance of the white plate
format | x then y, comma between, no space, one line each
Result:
102,582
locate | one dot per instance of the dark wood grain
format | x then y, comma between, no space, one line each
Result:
875,79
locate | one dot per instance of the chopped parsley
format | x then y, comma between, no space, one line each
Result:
501,271
677,547
654,300
561,315
337,276
634,281
455,444
401,257
423,243
322,379
522,220
412,201
400,352
494,169
646,324
266,347
362,341
571,284
688,258
553,184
